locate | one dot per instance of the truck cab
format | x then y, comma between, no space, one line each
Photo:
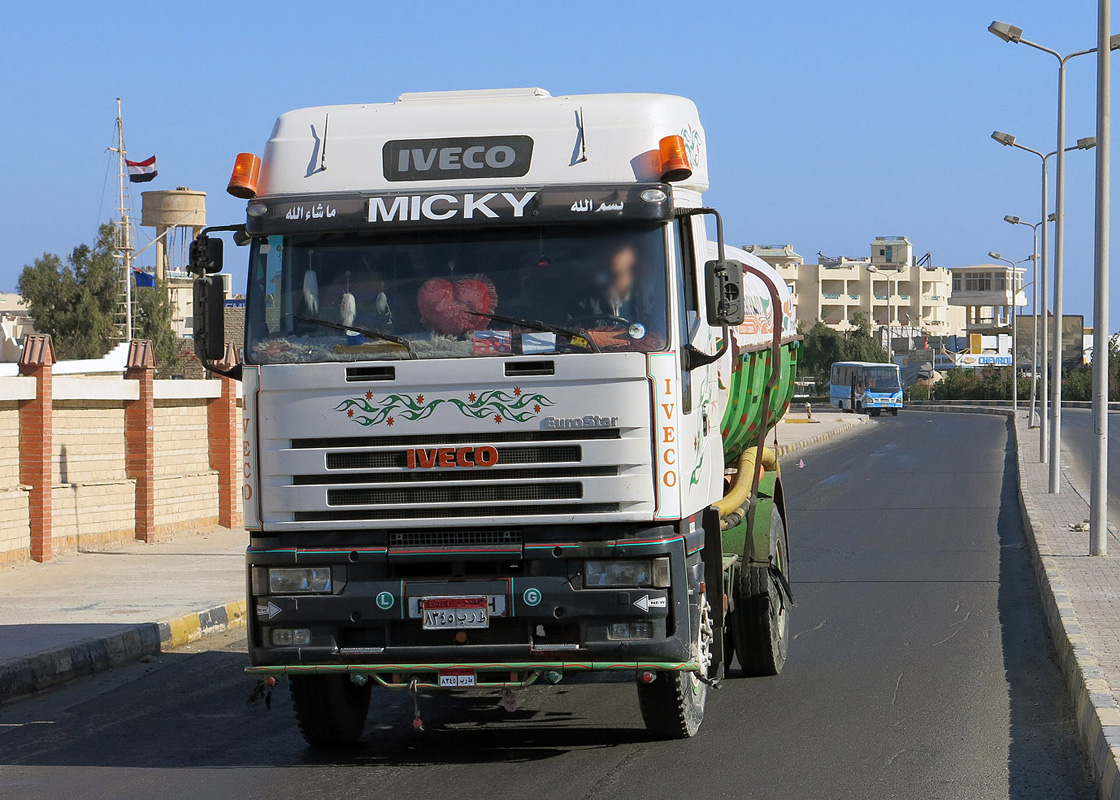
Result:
494,374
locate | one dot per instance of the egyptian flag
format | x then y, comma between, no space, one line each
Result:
141,171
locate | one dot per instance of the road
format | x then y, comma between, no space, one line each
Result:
921,668
1077,453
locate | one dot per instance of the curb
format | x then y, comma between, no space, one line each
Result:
1095,709
786,449
39,671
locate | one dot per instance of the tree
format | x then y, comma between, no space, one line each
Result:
75,303
823,346
152,320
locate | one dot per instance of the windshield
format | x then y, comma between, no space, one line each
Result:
881,379
454,294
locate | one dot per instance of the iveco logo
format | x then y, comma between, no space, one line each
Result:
457,158
448,457
587,421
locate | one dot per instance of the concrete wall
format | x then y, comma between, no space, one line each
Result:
93,497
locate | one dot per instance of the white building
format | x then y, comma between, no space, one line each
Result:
888,288
987,293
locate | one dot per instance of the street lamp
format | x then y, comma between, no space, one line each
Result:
1086,143
897,272
1009,33
1098,490
1034,295
1014,307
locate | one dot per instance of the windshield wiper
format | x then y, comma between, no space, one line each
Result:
543,327
385,337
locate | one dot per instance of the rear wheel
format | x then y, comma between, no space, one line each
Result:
673,705
859,407
760,622
330,709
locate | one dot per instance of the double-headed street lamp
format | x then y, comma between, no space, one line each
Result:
1045,430
1015,289
1009,33
1033,419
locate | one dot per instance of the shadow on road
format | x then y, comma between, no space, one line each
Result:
1041,720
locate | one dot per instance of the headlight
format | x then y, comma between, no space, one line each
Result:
624,572
299,580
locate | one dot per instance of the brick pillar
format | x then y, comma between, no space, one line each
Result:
36,441
139,437
224,421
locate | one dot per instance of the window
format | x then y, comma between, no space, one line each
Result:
956,283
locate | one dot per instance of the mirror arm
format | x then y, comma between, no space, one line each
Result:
693,357
233,372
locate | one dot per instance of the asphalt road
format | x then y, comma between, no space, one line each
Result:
1078,442
921,668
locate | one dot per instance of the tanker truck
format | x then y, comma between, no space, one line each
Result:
504,406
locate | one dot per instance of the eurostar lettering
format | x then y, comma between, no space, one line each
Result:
440,207
588,421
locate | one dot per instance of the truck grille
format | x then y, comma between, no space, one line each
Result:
492,493
506,455
453,538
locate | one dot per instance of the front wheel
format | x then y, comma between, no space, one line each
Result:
894,412
330,709
874,412
760,622
673,705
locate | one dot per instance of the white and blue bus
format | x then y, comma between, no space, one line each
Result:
866,386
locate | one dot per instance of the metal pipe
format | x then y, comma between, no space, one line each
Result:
1098,490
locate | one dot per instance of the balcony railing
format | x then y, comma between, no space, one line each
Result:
831,296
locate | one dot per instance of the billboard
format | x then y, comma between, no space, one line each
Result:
1073,326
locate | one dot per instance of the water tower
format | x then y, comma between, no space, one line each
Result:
168,210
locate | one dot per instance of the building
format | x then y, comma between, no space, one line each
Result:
987,293
15,324
888,288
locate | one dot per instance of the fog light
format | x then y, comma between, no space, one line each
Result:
618,630
628,572
301,636
281,636
641,630
299,580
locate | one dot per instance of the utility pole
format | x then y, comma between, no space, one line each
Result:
1098,491
123,236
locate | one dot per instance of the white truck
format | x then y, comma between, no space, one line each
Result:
504,404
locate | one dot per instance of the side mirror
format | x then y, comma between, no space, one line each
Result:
723,282
206,255
209,316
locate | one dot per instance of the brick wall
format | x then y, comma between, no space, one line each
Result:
90,462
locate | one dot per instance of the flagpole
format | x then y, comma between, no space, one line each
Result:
124,231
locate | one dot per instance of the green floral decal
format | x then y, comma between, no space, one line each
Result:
500,405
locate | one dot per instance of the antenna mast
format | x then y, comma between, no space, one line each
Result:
123,239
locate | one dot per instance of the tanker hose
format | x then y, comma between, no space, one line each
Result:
740,491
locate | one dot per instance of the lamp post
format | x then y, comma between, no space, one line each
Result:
897,272
1032,419
1045,431
1098,490
1009,33
1015,289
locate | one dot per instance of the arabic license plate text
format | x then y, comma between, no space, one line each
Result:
454,613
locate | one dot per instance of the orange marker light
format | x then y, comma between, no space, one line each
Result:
674,159
246,173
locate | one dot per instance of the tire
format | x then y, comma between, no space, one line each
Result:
894,412
760,622
874,412
330,710
673,705
859,407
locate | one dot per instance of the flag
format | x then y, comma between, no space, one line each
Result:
144,280
141,171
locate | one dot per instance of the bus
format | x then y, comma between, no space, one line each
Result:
866,386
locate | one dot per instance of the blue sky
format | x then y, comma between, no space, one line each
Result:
827,123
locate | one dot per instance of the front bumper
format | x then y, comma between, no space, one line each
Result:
542,619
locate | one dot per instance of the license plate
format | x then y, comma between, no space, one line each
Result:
451,678
454,613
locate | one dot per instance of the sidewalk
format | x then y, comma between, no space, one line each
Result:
1081,596
84,612
796,431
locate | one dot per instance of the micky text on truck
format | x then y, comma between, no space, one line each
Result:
504,405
